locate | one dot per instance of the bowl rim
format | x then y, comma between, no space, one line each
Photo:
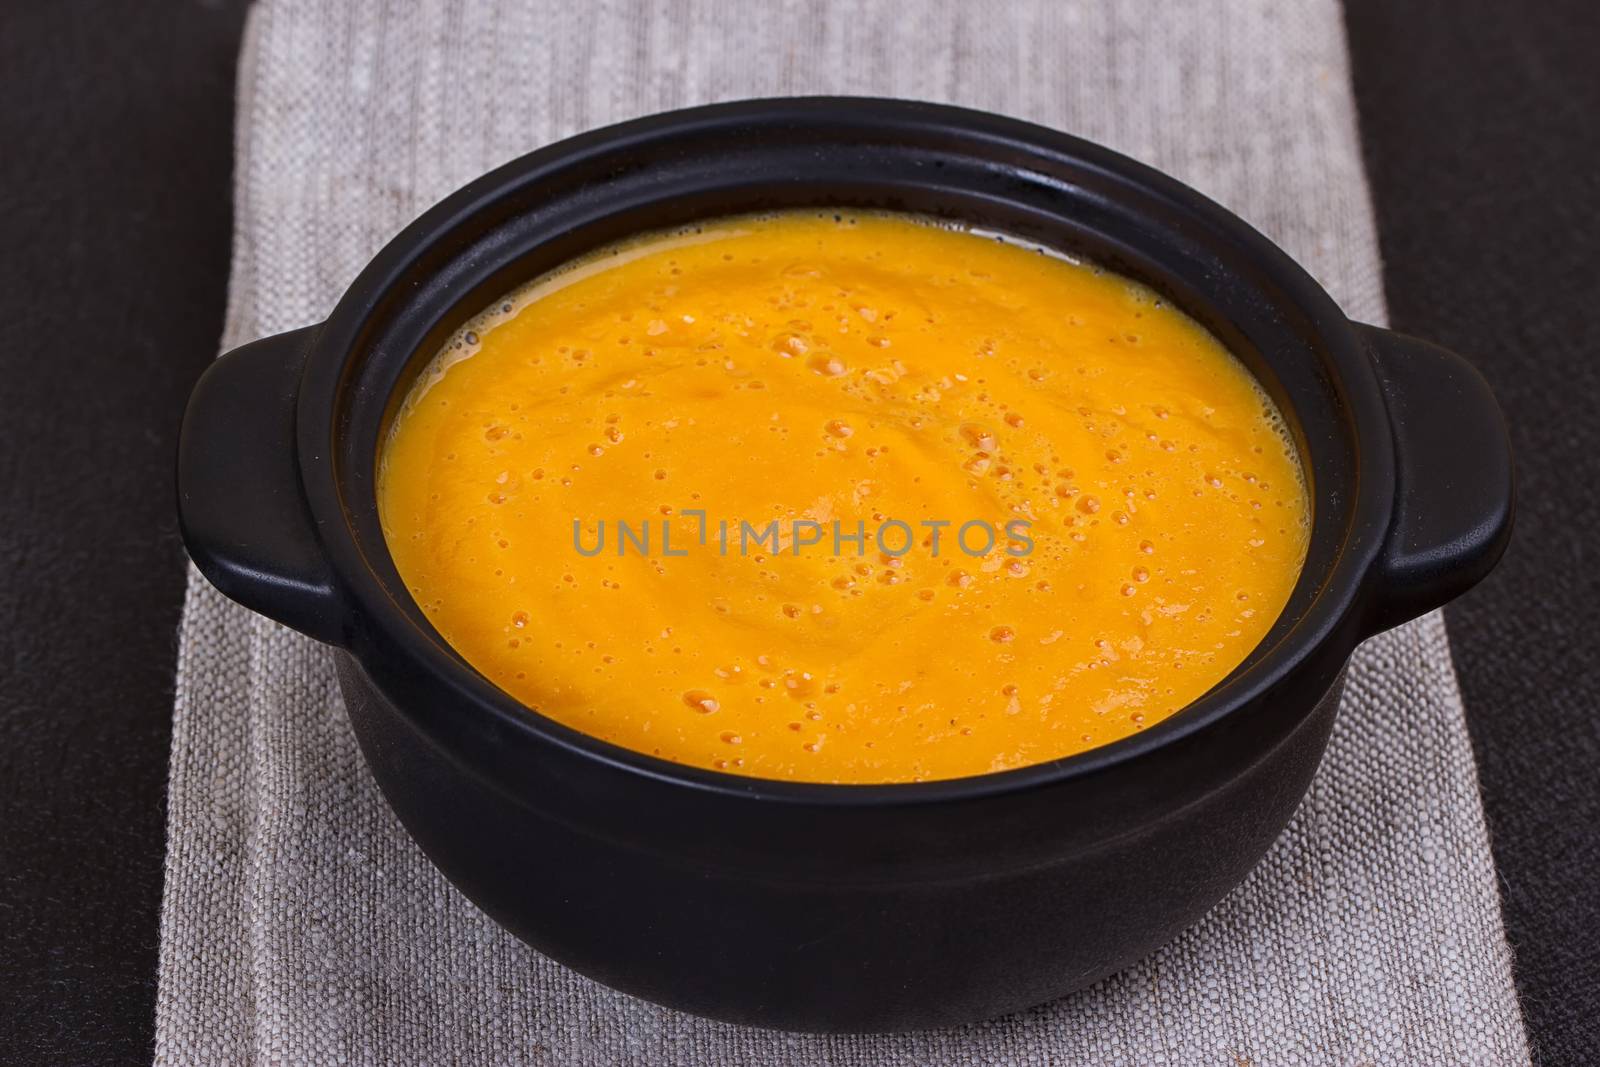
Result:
1332,624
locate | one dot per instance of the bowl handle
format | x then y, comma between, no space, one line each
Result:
1455,486
241,507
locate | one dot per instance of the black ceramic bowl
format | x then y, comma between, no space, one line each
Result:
821,907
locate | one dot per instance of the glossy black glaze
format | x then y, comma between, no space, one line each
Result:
809,906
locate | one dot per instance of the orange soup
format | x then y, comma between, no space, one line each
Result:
843,499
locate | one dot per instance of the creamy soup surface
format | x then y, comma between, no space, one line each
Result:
843,499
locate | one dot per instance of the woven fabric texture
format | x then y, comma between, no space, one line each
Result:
301,925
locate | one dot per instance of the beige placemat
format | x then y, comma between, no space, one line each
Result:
300,924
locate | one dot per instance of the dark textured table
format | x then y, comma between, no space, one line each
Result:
1481,125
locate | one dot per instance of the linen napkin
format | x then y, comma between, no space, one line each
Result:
300,924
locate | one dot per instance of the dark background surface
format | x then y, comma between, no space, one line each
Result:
116,126
1481,126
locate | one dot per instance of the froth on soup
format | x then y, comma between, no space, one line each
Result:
850,498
